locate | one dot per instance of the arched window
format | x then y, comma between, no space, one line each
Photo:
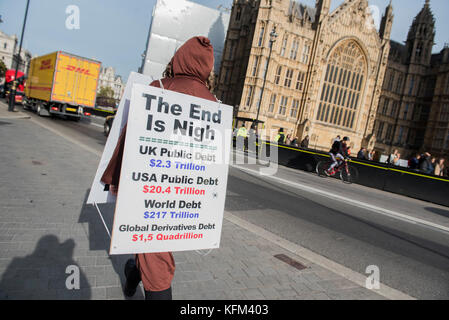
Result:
278,75
238,14
284,45
261,35
343,84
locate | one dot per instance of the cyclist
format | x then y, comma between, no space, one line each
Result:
338,153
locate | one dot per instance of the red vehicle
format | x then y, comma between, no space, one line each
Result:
9,78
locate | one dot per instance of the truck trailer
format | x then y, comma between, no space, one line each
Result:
61,83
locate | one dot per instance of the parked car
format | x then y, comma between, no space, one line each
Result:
108,124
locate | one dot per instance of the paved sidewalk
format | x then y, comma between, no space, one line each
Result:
16,114
44,227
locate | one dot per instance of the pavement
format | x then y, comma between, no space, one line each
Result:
16,114
46,229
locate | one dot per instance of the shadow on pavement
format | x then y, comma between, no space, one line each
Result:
43,274
438,211
99,239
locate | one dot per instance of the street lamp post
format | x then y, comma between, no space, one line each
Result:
12,94
273,36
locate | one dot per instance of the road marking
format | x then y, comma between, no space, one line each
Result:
97,125
74,141
317,259
360,204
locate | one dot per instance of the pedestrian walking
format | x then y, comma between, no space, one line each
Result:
305,142
280,137
432,165
294,142
439,168
252,137
362,154
288,140
392,157
337,138
425,163
243,134
413,162
189,72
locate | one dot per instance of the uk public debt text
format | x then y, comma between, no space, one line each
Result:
157,182
173,182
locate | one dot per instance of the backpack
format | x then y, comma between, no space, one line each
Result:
335,147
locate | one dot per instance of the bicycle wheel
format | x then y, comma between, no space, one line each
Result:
320,167
349,174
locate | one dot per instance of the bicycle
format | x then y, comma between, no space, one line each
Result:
348,174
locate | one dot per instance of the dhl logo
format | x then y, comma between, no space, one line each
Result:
78,69
45,64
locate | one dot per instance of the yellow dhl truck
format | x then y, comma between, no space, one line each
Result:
62,83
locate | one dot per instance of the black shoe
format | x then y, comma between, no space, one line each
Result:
129,291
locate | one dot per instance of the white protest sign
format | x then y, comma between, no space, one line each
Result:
174,173
97,193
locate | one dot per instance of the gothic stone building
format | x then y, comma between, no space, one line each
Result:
413,113
9,53
107,78
325,74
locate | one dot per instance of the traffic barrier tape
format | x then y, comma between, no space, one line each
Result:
361,163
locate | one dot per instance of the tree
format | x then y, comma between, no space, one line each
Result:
106,92
2,69
105,97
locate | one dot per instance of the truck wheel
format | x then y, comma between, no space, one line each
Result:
42,111
39,109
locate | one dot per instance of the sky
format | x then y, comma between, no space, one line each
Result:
115,31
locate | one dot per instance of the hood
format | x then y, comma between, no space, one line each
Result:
194,58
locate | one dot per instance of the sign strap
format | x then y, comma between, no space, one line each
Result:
101,216
162,86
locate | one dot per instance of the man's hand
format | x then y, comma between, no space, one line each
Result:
113,189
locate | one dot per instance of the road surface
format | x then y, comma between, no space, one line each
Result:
352,225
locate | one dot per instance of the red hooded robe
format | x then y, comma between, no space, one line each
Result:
192,64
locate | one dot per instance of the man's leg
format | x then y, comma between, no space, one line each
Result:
333,164
158,295
132,275
339,158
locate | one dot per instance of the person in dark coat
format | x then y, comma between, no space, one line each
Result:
294,142
189,72
362,154
425,163
413,163
305,142
280,137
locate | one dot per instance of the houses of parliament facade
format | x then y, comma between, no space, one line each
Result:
320,74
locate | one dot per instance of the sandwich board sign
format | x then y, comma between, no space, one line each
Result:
174,173
98,194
